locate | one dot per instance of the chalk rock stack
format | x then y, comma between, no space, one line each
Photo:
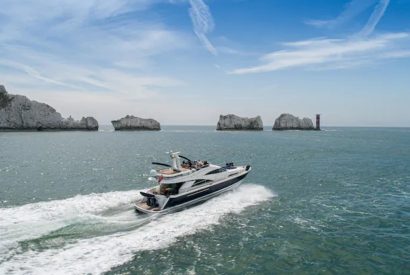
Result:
290,122
18,113
233,122
136,123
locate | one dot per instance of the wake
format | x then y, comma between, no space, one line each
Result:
121,233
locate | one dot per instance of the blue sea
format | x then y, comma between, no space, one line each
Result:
330,202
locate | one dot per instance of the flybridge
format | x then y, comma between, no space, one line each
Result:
178,168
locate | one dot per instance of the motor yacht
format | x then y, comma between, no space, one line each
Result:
183,183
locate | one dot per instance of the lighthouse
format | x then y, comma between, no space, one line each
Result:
318,122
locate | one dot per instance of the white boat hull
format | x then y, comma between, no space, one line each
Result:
187,199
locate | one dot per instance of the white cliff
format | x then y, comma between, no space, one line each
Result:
136,123
290,122
233,122
18,113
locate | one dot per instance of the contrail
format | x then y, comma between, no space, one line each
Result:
203,23
353,9
377,14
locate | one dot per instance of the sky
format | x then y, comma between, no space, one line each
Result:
188,61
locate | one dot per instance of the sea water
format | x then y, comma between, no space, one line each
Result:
334,201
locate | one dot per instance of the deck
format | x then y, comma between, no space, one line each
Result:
145,206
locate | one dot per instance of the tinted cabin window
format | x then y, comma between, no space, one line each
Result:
222,169
171,189
199,182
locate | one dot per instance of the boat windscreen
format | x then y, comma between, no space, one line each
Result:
185,158
161,164
147,195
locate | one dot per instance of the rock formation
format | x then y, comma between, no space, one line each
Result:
233,122
136,123
290,122
18,113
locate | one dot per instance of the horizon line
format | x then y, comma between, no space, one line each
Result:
327,126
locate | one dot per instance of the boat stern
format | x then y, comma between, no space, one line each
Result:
150,203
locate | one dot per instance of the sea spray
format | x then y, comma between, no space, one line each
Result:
99,254
34,220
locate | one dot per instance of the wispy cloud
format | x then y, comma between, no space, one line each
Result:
354,9
350,11
333,53
339,53
203,23
33,73
87,90
87,49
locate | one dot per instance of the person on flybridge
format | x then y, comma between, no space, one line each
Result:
177,166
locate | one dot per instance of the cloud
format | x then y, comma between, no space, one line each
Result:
82,36
351,10
105,93
331,53
354,9
202,22
85,51
336,53
397,54
85,80
31,72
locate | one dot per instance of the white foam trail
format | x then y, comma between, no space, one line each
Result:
37,219
99,254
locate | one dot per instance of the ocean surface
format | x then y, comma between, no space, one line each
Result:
334,201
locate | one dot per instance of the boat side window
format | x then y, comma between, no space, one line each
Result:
170,189
216,171
201,181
